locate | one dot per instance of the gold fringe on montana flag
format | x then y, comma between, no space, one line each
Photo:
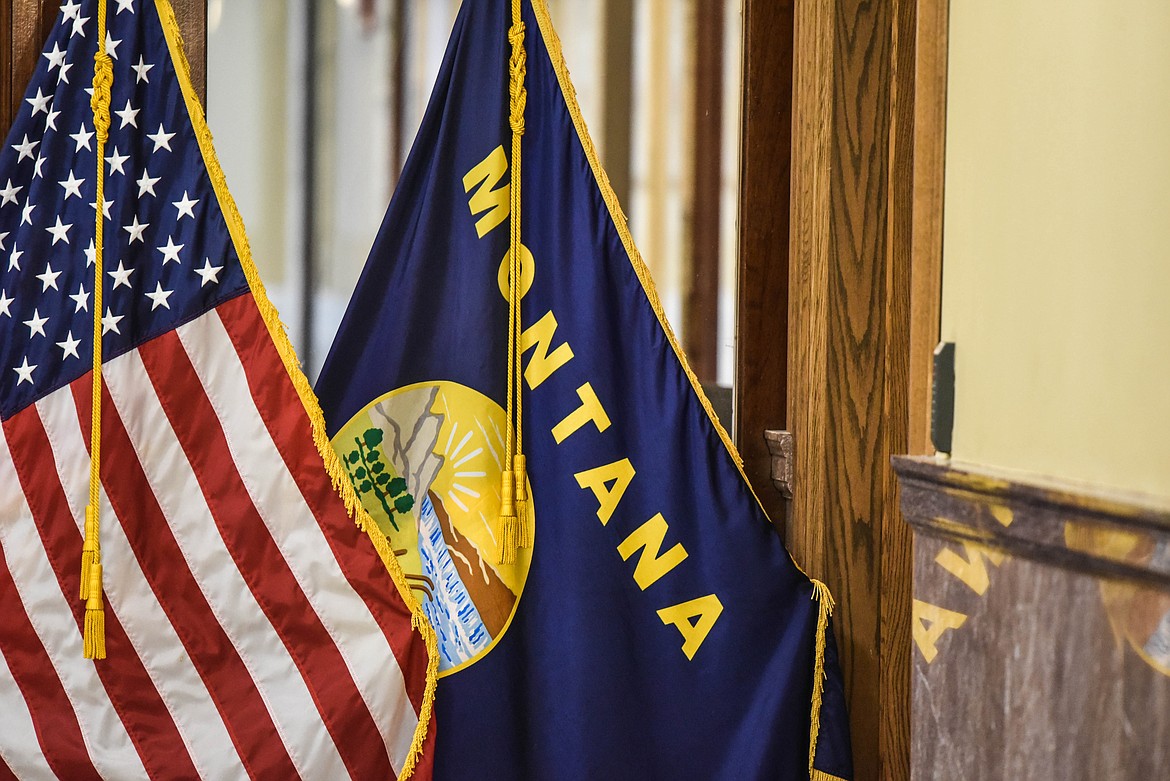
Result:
292,365
820,590
94,632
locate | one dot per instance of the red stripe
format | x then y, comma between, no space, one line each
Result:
6,773
217,661
288,424
53,718
260,561
129,687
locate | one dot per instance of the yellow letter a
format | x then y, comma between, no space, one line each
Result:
929,622
705,611
620,473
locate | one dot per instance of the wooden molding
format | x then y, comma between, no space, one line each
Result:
1065,524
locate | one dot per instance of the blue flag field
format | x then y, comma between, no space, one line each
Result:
647,621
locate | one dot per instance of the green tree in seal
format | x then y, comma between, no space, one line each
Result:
371,475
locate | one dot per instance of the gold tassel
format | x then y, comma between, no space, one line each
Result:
524,534
508,532
94,635
88,549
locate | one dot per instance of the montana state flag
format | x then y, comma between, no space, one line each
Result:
649,622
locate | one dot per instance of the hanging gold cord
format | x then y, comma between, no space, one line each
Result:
94,633
513,481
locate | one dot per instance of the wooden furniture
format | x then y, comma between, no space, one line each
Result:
1041,627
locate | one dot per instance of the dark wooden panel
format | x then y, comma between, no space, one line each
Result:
192,18
1046,677
849,330
701,313
762,301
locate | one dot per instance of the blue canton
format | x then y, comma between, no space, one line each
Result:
168,256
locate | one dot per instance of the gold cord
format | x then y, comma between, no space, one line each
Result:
513,480
94,632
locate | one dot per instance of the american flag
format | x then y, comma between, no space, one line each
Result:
251,628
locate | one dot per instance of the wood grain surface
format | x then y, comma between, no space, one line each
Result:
1038,682
762,299
849,331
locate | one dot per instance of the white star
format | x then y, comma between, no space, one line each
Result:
56,57
72,186
5,301
141,69
40,102
125,5
51,120
25,148
81,298
135,230
115,161
159,297
69,346
40,161
82,137
48,279
26,214
70,9
14,259
110,322
90,253
171,251
79,26
3,236
111,46
121,275
37,324
61,76
184,206
161,139
208,273
146,183
128,115
60,232
8,194
106,208
24,371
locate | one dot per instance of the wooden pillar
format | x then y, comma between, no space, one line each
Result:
617,76
761,361
700,331
849,355
25,24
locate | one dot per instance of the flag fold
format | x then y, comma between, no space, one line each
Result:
651,623
251,628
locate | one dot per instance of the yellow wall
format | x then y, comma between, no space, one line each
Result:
1056,260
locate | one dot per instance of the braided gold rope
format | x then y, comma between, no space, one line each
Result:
94,633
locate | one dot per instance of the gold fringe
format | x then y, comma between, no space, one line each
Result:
819,775
94,631
332,462
826,604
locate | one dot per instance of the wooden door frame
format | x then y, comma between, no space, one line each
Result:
25,24
840,269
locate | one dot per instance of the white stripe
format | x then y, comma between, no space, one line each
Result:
342,611
134,602
105,737
181,498
19,747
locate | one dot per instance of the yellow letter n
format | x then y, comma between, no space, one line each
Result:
487,175
649,538
543,363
